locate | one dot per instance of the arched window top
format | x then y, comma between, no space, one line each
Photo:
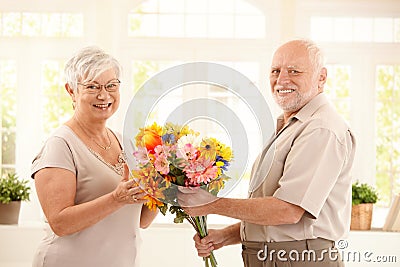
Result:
197,19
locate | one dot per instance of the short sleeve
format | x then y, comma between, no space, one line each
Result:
311,170
55,153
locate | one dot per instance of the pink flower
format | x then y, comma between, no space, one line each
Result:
164,149
141,155
161,164
200,171
187,152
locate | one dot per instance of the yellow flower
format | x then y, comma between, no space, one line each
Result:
222,150
225,152
208,149
216,185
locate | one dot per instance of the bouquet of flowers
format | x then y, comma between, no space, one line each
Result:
172,156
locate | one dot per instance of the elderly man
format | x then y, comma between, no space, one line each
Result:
299,203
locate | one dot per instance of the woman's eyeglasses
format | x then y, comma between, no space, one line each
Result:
95,88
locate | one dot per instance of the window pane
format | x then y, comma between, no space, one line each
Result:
8,92
220,26
31,23
72,25
245,8
387,131
321,29
397,30
337,87
57,105
221,7
171,25
11,24
8,147
150,6
343,30
249,26
171,6
363,29
383,30
196,7
143,25
196,26
51,24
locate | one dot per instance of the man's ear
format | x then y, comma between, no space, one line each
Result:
322,78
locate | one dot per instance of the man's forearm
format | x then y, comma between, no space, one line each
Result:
263,211
232,233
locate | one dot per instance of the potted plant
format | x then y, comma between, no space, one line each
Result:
364,197
12,192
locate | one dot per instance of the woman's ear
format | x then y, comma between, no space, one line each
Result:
70,91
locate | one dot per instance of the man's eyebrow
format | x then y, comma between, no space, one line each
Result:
288,67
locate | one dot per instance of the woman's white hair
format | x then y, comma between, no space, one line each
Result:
87,64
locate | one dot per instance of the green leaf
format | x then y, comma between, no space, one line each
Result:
13,189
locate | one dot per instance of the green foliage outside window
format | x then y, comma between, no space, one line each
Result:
8,92
57,106
337,87
388,131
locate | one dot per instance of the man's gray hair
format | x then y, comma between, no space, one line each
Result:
315,54
87,64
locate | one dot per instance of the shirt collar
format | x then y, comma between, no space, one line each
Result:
307,111
311,107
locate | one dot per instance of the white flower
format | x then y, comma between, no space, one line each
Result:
189,139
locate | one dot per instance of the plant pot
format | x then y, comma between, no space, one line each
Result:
361,216
9,213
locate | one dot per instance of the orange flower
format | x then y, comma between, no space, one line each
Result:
152,203
149,139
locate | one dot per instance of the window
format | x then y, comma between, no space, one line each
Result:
8,89
337,87
197,19
57,105
30,24
388,131
356,29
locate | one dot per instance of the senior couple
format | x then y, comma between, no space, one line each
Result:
298,201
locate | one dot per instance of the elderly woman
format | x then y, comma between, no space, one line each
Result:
91,207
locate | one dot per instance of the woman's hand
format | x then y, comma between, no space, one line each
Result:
128,191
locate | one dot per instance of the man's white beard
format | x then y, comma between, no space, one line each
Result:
295,103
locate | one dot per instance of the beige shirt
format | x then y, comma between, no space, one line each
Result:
311,163
112,241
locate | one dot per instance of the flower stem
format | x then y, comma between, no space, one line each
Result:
200,225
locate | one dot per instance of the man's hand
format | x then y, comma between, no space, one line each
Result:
196,201
214,240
